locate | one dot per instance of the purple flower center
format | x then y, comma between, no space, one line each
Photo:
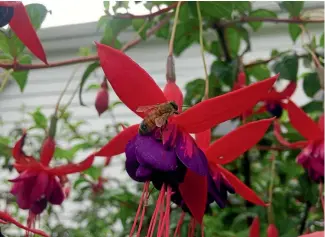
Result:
274,108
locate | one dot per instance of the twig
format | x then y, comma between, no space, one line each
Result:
270,19
246,164
65,89
23,67
221,33
206,91
150,15
274,148
259,62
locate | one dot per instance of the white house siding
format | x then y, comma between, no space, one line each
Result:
61,43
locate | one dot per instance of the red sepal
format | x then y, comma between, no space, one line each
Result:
18,153
22,26
194,191
47,151
117,144
235,143
9,219
315,234
203,139
173,93
211,112
72,168
283,141
132,84
272,231
304,124
286,93
240,187
254,231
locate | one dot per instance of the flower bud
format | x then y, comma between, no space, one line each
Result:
47,151
102,98
272,231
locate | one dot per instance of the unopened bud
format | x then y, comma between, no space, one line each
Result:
170,69
102,98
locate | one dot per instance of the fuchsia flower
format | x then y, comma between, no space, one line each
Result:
102,98
254,231
5,218
14,13
173,161
312,154
273,102
37,183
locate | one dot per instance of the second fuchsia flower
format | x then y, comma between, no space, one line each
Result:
312,154
171,159
38,184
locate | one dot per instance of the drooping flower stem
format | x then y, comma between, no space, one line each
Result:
172,37
179,225
304,217
206,92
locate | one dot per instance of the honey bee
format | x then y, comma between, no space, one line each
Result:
156,116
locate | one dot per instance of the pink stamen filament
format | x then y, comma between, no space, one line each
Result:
179,225
169,194
143,211
155,214
191,228
161,228
161,213
143,196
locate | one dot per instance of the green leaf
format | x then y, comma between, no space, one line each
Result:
313,106
260,13
313,44
245,36
21,76
93,172
274,53
141,26
4,47
184,12
308,189
260,72
102,22
216,10
294,31
311,84
106,4
39,118
194,92
91,67
287,66
37,13
225,72
321,40
215,48
185,36
93,87
78,182
242,6
163,32
293,7
233,40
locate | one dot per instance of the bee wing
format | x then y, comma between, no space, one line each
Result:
146,108
161,120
